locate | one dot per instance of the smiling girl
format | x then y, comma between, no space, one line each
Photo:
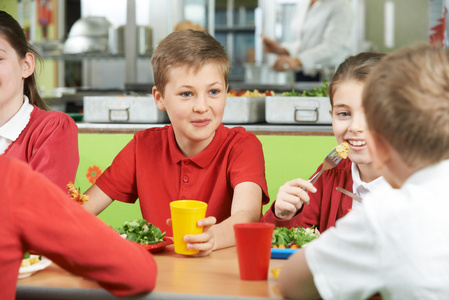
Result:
46,140
325,205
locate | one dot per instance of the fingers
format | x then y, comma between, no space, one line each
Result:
207,222
204,242
283,64
291,197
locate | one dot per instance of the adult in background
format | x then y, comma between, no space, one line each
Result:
322,31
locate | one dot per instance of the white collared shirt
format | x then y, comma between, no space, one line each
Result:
395,244
11,130
322,33
362,188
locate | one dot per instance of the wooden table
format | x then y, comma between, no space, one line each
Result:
179,277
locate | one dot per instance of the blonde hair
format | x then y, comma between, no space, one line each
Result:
406,101
355,68
191,48
186,24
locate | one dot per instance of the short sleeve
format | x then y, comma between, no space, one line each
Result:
118,181
247,163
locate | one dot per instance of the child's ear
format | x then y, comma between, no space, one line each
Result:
158,98
28,64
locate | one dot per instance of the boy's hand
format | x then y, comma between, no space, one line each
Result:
204,242
291,197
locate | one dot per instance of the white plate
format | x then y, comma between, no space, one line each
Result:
25,272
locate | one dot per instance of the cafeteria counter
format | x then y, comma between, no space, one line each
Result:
258,129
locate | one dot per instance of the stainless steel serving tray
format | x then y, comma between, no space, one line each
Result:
122,109
244,110
298,110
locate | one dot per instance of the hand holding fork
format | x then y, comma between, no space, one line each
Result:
289,192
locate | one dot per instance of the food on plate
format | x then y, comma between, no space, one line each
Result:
142,232
247,93
75,194
322,91
293,238
29,260
343,150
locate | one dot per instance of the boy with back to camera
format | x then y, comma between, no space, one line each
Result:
397,243
36,215
195,157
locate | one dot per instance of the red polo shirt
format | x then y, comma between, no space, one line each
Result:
152,168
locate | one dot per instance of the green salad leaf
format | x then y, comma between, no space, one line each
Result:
142,232
322,91
295,235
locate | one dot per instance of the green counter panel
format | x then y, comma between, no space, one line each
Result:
286,158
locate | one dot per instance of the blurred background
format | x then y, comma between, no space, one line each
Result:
104,46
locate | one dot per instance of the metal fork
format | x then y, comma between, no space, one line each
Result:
330,161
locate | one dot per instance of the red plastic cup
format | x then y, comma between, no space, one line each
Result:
253,242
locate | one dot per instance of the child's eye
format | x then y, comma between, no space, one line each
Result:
343,114
214,92
186,94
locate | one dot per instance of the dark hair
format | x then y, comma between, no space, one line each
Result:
10,30
355,68
191,48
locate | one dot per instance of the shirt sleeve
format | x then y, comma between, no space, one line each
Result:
118,181
345,260
247,163
54,226
55,149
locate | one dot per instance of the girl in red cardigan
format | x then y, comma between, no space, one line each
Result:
46,140
324,204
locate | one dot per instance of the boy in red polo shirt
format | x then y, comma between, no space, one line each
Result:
195,157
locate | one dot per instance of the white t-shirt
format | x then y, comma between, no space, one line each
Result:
322,33
396,244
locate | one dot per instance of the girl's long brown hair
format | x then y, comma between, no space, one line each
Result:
10,30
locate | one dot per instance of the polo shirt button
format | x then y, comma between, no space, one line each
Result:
186,162
185,179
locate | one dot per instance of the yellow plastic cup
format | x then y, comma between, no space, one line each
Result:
185,215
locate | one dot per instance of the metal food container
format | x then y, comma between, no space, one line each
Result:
298,110
244,110
122,109
265,74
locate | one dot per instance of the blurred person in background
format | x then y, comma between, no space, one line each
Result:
322,31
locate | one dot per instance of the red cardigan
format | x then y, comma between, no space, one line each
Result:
49,144
326,206
37,215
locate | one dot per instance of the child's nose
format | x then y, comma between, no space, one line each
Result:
200,105
358,124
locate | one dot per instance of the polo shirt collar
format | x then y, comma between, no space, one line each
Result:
203,158
12,129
